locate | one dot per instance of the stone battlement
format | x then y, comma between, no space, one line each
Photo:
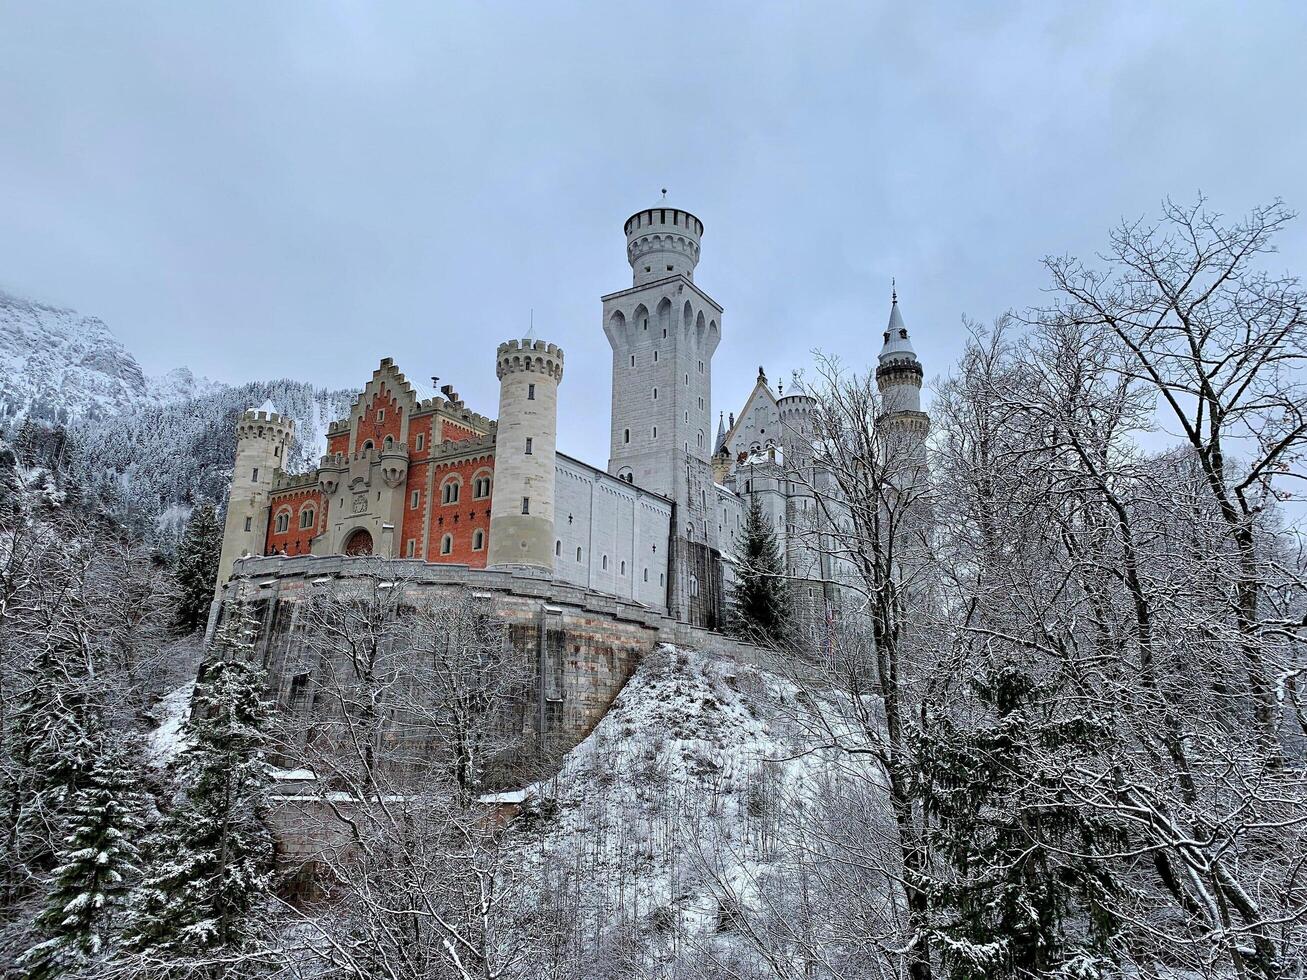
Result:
529,355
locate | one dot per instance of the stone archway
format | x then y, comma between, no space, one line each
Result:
359,543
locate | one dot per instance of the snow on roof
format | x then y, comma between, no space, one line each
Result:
267,406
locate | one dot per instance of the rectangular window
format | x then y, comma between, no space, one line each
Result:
249,523
415,499
422,440
530,393
412,546
632,360
276,451
528,445
526,505
256,473
381,415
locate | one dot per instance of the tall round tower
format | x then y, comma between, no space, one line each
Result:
262,439
522,506
899,376
662,242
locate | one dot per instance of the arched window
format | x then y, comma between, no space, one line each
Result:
626,435
449,491
655,432
481,486
578,554
390,441
306,517
283,522
646,575
604,563
623,569
367,446
694,586
478,539
558,549
447,544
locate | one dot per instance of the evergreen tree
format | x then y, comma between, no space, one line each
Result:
760,594
197,568
96,865
1021,894
212,860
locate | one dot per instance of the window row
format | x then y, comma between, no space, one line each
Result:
308,516
447,543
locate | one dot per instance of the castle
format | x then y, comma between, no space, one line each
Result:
430,480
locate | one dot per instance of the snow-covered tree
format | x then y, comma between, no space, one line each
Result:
760,597
98,862
197,567
210,865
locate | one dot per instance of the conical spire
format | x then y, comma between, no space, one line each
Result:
721,433
897,346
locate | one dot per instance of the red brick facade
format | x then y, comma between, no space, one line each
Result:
461,520
295,540
380,418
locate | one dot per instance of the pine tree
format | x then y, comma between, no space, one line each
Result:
212,861
96,866
760,594
1019,893
197,567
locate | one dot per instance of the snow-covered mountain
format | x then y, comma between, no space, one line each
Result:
57,365
148,448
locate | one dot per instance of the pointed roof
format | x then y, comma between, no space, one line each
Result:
267,406
721,433
897,345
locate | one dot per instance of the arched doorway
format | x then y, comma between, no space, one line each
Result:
359,543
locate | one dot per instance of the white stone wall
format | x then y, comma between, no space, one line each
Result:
619,531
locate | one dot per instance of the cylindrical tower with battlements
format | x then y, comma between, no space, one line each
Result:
262,439
526,440
662,242
898,377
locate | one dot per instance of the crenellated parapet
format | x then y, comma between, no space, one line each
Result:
533,356
261,424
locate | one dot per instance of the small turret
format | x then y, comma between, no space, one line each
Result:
262,439
526,440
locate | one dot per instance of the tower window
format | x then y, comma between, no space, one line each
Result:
578,554
530,393
623,568
528,446
526,505
422,440
655,357
276,451
626,435
604,563
632,360
256,473
306,517
478,539
669,269
249,523
655,394
655,432
447,544
415,499
645,321
646,575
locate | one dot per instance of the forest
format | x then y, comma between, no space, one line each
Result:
1059,731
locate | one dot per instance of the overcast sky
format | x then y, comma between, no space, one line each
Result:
280,189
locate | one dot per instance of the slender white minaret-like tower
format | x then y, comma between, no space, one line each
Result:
899,376
526,441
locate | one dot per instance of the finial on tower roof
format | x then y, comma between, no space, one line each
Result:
664,193
893,291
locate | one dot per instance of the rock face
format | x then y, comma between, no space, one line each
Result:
57,365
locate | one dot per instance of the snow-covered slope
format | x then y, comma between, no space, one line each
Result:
690,809
57,365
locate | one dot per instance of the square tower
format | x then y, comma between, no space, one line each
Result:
663,331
